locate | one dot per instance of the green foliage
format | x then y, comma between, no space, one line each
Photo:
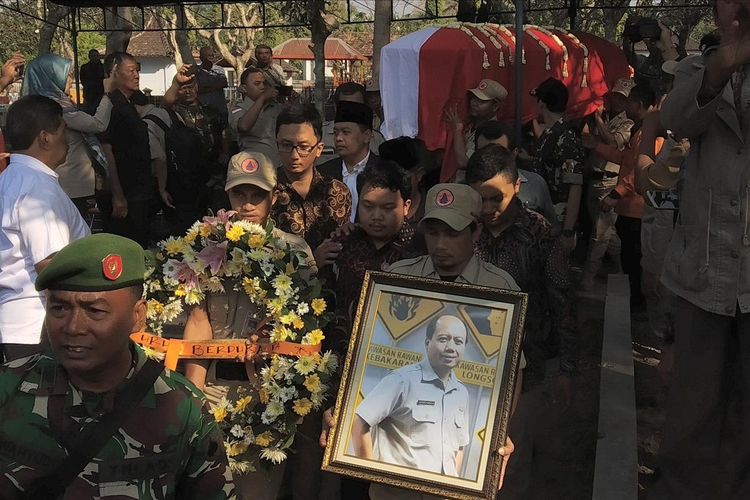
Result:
18,33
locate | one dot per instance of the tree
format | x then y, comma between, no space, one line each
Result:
174,21
55,14
236,45
382,33
120,20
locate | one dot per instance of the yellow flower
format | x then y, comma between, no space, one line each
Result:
235,233
237,449
312,383
174,246
278,255
263,396
264,439
180,292
220,413
190,237
298,324
315,337
318,306
289,268
306,365
205,230
283,284
256,240
193,296
302,406
280,334
240,405
275,306
287,319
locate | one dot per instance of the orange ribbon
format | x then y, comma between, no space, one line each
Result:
175,349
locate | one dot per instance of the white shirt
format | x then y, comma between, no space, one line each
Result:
350,179
37,219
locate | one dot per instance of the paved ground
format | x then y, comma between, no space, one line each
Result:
566,448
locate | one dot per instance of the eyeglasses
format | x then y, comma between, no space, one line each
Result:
302,151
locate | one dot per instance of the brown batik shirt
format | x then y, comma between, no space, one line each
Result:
326,208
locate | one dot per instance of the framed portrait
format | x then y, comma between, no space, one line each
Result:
427,386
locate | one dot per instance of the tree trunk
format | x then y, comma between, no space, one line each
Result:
118,18
55,14
319,32
184,51
382,35
467,11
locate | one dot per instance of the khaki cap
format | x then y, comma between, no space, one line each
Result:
490,90
623,86
458,205
250,167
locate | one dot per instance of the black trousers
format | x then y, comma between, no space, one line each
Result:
134,226
629,231
689,457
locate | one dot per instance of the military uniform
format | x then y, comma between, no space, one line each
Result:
262,137
161,442
168,447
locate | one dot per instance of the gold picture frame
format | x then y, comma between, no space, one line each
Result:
439,361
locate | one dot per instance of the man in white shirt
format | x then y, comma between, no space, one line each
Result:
352,132
37,219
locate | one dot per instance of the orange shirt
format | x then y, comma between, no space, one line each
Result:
630,204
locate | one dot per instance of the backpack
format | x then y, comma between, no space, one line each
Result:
187,171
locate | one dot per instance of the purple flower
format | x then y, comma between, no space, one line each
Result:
222,217
214,255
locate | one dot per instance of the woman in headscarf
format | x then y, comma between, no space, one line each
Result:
52,76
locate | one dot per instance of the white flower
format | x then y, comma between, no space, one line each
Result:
267,268
171,311
237,431
170,269
214,285
240,468
273,455
317,398
273,411
303,308
288,393
251,227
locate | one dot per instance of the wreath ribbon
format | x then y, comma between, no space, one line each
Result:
176,349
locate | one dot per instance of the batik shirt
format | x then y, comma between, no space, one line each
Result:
533,257
326,208
558,144
357,256
169,447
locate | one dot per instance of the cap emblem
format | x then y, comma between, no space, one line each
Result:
482,85
444,198
249,166
112,267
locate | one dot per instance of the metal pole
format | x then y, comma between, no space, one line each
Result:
518,82
74,38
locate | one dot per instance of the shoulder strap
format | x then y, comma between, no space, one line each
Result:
96,434
158,121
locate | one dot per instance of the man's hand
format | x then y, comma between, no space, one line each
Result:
327,253
562,392
344,231
607,204
505,452
11,70
119,206
327,425
184,75
269,94
589,141
166,198
110,83
453,119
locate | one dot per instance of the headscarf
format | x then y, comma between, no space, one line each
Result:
46,76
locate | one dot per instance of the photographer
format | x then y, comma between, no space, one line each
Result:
253,120
658,40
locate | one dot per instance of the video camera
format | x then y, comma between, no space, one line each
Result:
643,29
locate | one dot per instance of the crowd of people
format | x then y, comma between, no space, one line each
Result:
655,181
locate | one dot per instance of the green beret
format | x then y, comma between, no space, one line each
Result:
97,263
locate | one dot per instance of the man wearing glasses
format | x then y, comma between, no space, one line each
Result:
308,205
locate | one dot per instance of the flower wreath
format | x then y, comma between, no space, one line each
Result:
220,253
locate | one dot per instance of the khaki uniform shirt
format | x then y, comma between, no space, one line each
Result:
417,420
262,137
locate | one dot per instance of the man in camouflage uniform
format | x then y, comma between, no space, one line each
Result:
166,446
559,155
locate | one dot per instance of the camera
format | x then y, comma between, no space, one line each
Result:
643,29
284,90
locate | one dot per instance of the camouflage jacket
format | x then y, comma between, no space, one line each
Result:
169,447
556,146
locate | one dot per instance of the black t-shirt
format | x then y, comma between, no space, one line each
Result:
128,135
92,78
